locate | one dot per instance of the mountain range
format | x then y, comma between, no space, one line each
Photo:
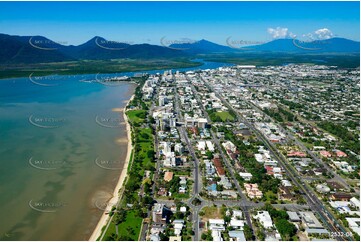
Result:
339,45
39,49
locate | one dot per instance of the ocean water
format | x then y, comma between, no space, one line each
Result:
62,147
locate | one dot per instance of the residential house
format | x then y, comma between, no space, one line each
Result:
253,191
340,196
168,176
178,225
245,175
265,219
159,213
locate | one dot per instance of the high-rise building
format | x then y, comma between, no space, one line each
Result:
172,122
162,100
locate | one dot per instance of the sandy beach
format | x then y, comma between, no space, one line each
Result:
103,221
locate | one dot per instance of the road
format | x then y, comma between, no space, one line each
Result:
338,178
245,203
196,173
316,205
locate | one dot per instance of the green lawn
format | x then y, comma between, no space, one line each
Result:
144,139
224,115
110,231
131,226
129,229
211,212
136,116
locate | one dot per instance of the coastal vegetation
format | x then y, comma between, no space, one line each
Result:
127,217
93,67
136,117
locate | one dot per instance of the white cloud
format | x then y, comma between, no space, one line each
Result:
319,34
292,35
324,33
280,33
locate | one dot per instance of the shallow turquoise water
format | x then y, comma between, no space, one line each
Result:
56,159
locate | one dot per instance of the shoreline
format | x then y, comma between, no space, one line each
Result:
139,70
104,219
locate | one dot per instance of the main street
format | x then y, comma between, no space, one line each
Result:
196,173
245,203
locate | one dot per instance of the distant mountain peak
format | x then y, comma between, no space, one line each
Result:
336,44
201,46
203,41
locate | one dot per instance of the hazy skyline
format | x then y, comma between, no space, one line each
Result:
148,22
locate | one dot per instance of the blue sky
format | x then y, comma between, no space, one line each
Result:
148,22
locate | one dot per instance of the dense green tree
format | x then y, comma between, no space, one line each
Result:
248,232
120,216
286,229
